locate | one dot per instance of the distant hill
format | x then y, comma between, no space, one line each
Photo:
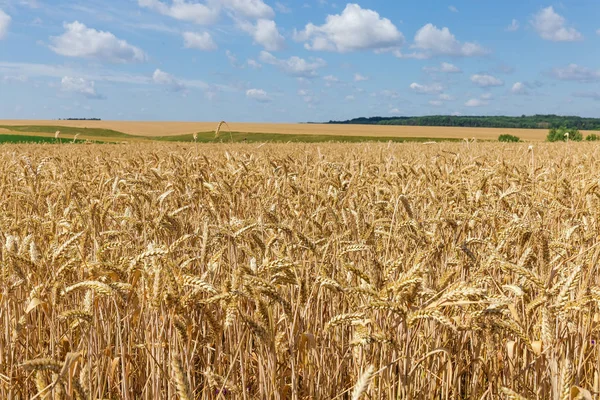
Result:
524,121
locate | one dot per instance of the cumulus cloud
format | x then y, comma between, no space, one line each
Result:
552,26
294,66
434,41
433,88
453,9
445,68
201,41
519,88
208,13
259,95
81,41
264,33
163,78
513,27
476,103
574,72
354,29
485,81
4,23
182,10
360,78
80,86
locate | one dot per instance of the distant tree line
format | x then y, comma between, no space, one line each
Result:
525,121
79,119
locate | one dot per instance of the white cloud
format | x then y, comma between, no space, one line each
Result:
598,32
96,73
4,23
208,13
350,98
519,88
415,55
15,78
282,8
436,103
574,72
30,3
485,81
453,9
445,68
394,111
184,11
163,78
233,59
264,33
330,80
435,41
513,27
449,68
551,26
311,100
486,96
81,41
59,71
79,86
476,103
253,64
254,9
201,41
308,97
434,88
258,95
360,78
445,97
294,66
354,29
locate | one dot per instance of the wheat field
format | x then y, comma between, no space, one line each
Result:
148,128
372,271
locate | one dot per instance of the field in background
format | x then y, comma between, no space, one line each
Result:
174,271
47,134
182,128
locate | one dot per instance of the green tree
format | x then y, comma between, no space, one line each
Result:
508,138
563,134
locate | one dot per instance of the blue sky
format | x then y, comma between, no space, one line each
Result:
288,61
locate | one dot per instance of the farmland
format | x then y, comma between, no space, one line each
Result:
168,270
151,130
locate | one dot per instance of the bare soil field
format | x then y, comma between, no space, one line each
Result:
148,128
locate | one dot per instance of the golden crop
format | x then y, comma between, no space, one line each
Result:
299,271
161,128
